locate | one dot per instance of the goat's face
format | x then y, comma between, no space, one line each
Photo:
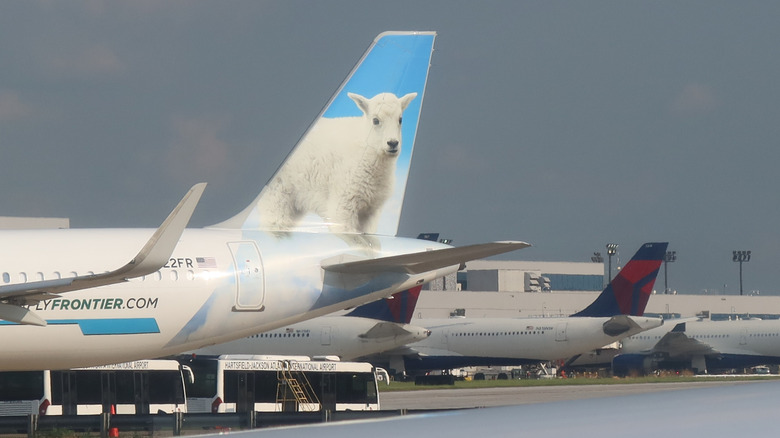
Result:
384,114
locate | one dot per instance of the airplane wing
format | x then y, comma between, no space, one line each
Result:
676,344
417,263
154,254
386,330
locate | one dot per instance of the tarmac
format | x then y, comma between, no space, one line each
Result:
488,397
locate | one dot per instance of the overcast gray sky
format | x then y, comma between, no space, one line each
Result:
565,124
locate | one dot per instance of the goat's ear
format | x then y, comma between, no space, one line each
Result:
361,102
407,99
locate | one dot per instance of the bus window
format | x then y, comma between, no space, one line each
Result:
24,392
205,382
356,388
21,385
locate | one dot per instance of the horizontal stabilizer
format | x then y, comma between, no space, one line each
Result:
625,325
619,324
385,330
420,262
151,258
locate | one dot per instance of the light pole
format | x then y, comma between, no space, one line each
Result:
611,250
740,256
597,258
670,256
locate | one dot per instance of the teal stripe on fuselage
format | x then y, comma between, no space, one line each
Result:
110,326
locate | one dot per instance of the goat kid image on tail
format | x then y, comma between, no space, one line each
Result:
348,172
343,171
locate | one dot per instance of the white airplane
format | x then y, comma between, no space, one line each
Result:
463,342
369,329
318,238
701,345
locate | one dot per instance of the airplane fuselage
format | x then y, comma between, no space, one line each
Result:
218,285
712,344
512,341
344,336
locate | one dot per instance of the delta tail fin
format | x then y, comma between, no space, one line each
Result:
399,308
348,172
629,291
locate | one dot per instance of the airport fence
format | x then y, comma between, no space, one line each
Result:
109,426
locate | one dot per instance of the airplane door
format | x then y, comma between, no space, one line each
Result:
743,337
250,281
560,331
325,337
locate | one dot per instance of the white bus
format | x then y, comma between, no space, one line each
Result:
140,387
240,383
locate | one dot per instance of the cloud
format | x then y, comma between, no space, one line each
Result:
695,99
86,61
12,106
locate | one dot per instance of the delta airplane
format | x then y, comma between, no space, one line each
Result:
369,329
701,345
319,237
461,342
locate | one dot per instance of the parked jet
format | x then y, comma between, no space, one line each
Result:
700,345
461,342
318,238
369,329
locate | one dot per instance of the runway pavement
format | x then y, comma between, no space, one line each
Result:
484,397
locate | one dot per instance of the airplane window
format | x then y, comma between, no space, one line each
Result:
158,275
174,275
6,277
23,277
190,275
39,276
57,275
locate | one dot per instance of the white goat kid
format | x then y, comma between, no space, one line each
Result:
343,170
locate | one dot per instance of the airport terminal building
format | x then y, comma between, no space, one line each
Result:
501,288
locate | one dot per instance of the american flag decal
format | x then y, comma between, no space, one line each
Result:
206,262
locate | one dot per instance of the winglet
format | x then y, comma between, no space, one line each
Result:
160,246
154,254
20,315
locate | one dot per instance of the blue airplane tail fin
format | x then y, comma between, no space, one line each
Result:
399,308
629,291
348,172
